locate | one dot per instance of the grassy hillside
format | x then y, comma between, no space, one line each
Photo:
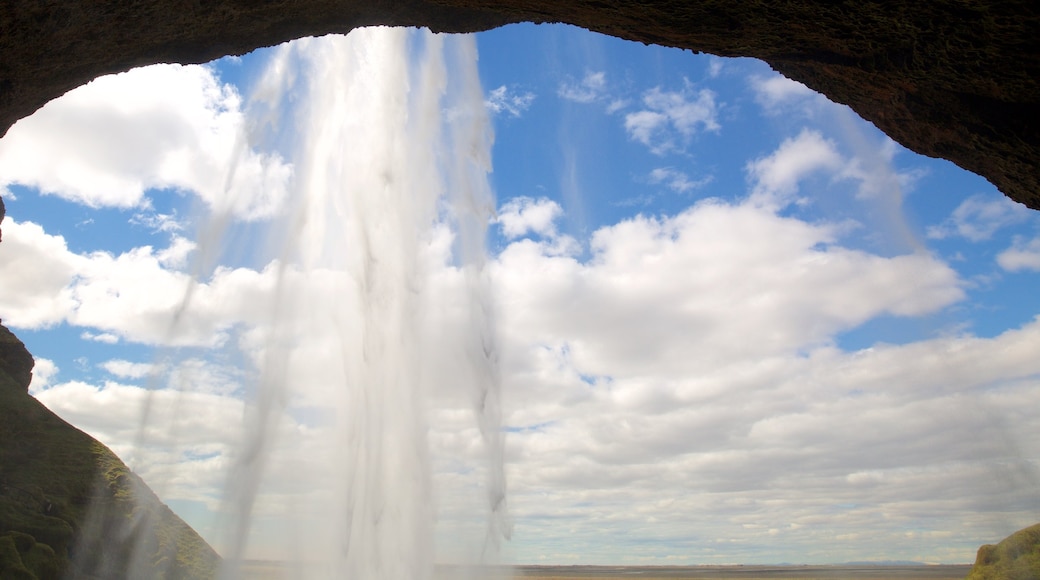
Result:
1017,557
69,508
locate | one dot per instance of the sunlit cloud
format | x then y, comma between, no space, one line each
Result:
776,176
161,127
524,214
979,217
43,374
1022,255
671,118
777,94
138,295
38,270
128,370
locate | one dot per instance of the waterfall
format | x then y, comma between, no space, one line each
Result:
390,138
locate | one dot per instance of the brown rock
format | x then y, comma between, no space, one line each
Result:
15,360
947,78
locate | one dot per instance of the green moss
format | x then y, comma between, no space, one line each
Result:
70,508
21,556
1017,557
43,562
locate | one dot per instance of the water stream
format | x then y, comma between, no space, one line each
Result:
390,139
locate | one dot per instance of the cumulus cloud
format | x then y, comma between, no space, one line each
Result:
525,214
43,373
979,217
125,369
180,443
592,87
733,272
688,370
160,127
38,269
672,117
138,295
776,176
511,102
740,449
1022,255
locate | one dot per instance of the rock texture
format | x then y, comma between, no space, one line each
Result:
1016,557
69,508
958,79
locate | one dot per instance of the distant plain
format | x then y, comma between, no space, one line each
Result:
273,570
864,572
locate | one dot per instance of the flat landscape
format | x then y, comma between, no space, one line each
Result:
272,570
743,572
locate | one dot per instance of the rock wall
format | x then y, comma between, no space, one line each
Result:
958,79
69,508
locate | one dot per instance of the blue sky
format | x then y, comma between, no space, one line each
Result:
736,323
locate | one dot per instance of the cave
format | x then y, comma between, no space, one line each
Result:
954,80
945,78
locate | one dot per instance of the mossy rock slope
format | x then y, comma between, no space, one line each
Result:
69,508
1017,557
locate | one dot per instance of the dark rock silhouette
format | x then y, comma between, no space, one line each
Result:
69,508
946,78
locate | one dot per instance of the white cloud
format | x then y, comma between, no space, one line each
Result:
683,382
163,127
37,271
175,256
504,100
180,442
43,373
591,88
137,295
776,176
732,272
714,66
777,94
1022,255
524,214
125,369
687,369
105,337
676,180
672,117
979,217
157,222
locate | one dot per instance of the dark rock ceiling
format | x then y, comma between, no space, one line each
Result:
958,79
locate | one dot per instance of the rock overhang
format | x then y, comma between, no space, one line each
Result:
945,78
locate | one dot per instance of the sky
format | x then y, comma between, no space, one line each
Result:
734,322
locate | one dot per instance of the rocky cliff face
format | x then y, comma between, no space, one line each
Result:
957,79
69,508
